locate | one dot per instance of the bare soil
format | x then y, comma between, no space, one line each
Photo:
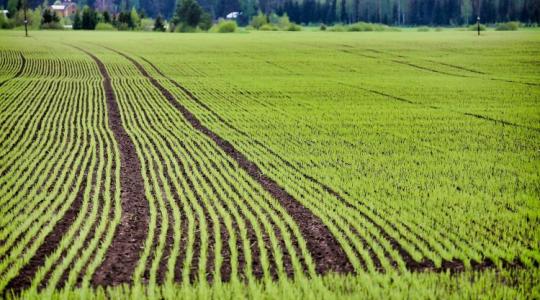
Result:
123,254
325,249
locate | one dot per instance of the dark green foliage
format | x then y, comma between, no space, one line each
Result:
106,17
6,23
48,17
294,27
158,24
225,27
475,27
508,26
89,18
52,25
188,13
259,20
125,22
77,22
390,12
206,21
13,6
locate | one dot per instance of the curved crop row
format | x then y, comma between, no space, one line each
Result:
217,200
58,201
439,240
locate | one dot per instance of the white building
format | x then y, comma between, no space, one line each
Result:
233,15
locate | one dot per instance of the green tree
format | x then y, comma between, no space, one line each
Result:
4,22
77,22
135,19
36,16
13,6
124,21
89,18
259,20
106,17
49,16
188,12
159,24
206,21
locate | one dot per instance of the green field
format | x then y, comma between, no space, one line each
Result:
270,165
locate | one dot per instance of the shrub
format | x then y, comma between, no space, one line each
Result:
438,29
294,27
105,26
323,27
6,23
122,26
423,29
508,26
362,26
224,27
273,18
147,24
52,25
183,27
283,22
337,28
474,27
259,20
268,27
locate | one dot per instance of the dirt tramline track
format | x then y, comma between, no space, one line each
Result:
323,246
123,254
410,262
274,252
286,241
454,265
413,264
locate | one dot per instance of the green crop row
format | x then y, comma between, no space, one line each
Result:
56,151
415,154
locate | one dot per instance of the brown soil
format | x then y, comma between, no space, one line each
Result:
128,242
325,249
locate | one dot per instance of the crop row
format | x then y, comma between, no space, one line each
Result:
10,63
59,206
423,232
230,226
401,184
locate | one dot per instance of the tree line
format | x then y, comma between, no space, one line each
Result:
391,12
411,12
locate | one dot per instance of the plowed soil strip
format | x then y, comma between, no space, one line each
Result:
124,252
19,73
325,249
